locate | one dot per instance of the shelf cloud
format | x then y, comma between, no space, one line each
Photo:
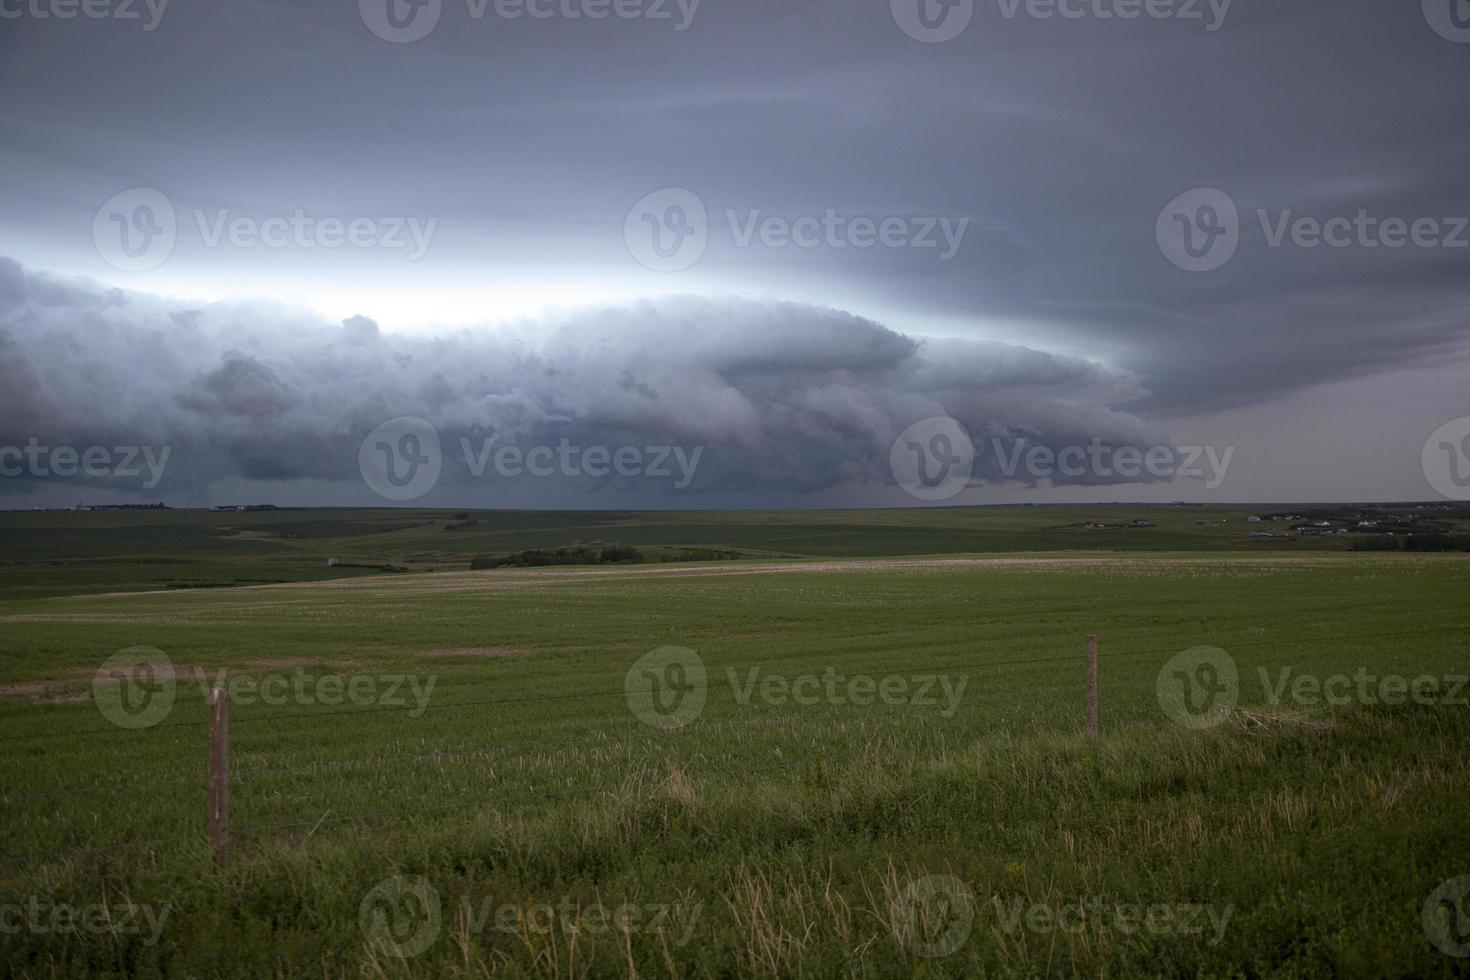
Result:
779,398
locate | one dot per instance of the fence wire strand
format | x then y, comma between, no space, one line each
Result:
543,699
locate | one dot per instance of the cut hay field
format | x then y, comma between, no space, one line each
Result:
774,767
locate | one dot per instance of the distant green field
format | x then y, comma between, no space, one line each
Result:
64,552
783,835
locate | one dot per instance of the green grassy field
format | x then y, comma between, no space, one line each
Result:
474,731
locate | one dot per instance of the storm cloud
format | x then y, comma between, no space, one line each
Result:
779,398
1055,134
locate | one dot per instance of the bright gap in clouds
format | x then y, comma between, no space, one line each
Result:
416,304
398,307
453,292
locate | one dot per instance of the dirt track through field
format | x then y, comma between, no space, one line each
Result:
428,583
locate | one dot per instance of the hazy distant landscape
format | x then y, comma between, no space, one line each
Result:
65,552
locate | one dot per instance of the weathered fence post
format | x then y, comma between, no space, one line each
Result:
1092,684
219,776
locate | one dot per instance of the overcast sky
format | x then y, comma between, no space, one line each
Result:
778,233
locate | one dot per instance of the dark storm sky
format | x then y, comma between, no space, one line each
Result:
524,142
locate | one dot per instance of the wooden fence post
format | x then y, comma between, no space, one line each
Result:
219,776
1092,684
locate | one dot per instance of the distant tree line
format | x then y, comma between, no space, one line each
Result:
582,554
596,554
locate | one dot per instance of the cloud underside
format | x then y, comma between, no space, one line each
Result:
784,399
